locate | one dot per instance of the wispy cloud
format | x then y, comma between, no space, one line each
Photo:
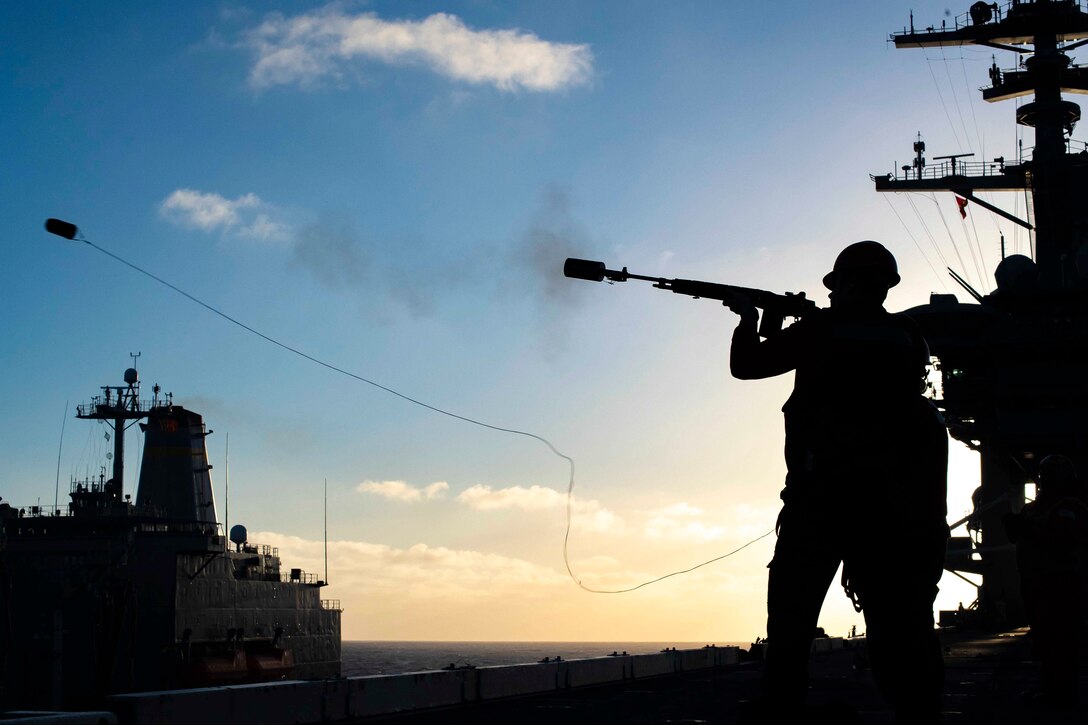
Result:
430,592
403,491
681,521
305,48
585,515
429,571
327,246
245,216
533,498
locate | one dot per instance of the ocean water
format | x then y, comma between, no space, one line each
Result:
388,658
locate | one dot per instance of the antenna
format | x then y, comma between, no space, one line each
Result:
226,484
134,355
919,156
325,494
953,157
60,447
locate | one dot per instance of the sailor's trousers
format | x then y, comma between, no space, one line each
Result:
893,574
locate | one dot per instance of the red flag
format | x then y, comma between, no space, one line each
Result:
962,204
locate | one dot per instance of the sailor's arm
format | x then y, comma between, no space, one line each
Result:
749,357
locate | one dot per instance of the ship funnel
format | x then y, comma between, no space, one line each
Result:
174,475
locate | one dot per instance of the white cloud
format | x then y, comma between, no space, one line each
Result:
680,521
436,489
419,570
589,516
534,498
403,491
304,48
585,515
427,592
246,216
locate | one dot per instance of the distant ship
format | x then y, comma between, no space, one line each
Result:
104,596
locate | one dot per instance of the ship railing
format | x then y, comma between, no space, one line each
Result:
39,510
87,485
106,509
946,169
262,550
297,576
331,604
963,20
86,409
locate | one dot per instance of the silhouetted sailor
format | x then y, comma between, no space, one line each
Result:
866,458
1051,536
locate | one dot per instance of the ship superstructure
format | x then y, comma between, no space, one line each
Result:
106,595
1013,384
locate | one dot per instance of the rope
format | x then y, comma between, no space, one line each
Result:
433,408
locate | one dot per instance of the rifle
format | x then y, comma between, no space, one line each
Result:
776,308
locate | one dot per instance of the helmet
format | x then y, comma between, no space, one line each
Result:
869,256
1057,472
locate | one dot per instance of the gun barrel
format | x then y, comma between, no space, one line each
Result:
584,269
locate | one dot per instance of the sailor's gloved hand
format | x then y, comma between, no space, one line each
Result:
743,306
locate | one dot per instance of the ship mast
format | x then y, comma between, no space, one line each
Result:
117,405
1042,31
1012,365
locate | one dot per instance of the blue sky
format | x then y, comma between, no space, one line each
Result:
393,188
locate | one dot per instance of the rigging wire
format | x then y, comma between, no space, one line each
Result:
1016,197
925,228
972,244
987,196
1016,227
978,244
60,449
956,99
464,418
83,455
929,64
974,117
139,457
970,247
951,237
916,244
